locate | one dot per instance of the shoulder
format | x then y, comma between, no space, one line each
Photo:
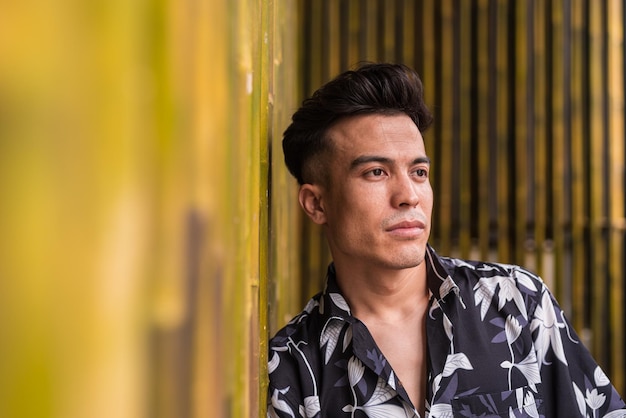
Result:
293,358
297,343
301,328
479,276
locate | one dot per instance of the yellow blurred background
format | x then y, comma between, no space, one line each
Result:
150,238
134,205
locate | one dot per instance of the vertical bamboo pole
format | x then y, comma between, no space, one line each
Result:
616,187
353,22
502,131
332,32
194,70
398,29
286,217
484,117
312,256
386,10
522,126
313,11
410,37
540,139
465,168
259,283
243,171
579,244
445,210
429,75
556,193
372,31
597,112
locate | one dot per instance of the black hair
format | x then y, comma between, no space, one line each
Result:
369,89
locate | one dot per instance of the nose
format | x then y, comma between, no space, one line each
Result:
405,193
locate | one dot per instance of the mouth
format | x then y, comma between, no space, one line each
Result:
407,229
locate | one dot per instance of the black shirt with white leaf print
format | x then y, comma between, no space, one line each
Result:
498,346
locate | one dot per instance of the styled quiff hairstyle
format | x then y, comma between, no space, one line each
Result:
388,89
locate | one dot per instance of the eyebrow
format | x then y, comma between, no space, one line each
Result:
365,159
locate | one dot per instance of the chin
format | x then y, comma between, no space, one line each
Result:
410,257
407,262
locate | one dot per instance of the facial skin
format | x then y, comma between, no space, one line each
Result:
376,209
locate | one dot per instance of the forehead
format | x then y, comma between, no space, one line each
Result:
379,134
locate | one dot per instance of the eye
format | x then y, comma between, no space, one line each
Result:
420,172
375,173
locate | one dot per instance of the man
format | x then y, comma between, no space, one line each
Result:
400,331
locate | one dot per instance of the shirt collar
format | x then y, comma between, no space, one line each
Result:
333,303
440,280
440,283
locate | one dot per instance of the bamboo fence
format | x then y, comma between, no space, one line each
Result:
528,142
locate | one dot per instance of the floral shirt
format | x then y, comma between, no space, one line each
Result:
498,346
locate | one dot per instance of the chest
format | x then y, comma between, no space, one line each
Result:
404,347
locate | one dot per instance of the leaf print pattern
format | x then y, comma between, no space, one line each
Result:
311,406
347,338
600,378
281,405
339,301
485,290
489,358
382,410
379,360
483,293
595,400
615,414
455,362
330,337
512,329
273,363
355,371
524,278
548,335
528,367
441,410
382,393
529,406
580,399
376,406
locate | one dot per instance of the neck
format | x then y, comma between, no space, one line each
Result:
384,295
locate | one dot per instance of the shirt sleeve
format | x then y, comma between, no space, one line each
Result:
283,389
572,382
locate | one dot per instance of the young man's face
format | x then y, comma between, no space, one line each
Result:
377,206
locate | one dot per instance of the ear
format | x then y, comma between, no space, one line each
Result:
310,197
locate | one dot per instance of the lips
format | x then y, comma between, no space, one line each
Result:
407,229
407,225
